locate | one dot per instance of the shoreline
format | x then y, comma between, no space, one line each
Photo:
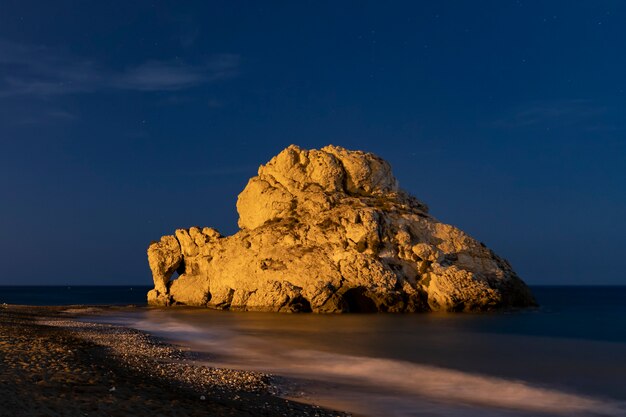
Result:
52,364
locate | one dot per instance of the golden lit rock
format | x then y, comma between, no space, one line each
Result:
329,231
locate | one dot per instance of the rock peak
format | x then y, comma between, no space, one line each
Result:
299,181
328,230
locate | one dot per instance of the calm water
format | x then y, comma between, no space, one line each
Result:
68,295
567,358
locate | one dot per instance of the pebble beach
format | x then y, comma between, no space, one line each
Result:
54,365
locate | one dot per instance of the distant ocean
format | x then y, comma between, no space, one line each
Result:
565,358
67,295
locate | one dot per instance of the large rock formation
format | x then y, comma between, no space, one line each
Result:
329,231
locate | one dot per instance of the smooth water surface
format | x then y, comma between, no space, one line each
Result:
72,295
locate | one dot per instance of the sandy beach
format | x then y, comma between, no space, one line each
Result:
53,365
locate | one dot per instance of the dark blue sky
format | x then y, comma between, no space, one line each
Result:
121,121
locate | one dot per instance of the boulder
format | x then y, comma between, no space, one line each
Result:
330,231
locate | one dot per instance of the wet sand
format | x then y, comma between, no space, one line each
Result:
52,365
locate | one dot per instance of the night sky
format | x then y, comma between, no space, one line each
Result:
121,121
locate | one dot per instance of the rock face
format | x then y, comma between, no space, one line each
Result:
329,231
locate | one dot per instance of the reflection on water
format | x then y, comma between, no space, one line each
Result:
410,365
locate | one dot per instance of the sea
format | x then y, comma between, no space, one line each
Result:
564,358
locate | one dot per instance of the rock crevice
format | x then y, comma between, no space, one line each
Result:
326,231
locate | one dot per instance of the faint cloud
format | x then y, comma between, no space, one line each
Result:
47,116
40,70
549,112
61,115
33,70
175,75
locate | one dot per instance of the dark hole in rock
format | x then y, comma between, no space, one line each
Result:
358,302
300,304
178,272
